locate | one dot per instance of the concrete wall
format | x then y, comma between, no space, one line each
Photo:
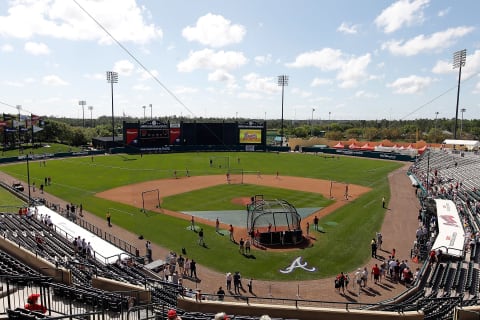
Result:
127,289
39,264
302,313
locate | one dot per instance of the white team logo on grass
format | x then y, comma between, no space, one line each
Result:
297,263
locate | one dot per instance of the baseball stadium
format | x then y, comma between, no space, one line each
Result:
284,226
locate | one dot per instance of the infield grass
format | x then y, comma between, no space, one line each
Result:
344,246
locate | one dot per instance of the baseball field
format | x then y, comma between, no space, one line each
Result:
196,182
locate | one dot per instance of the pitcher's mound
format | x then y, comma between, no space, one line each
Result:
241,201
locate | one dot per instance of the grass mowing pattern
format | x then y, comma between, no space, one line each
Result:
344,246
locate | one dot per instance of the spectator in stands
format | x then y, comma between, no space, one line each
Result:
221,294
221,316
32,304
172,315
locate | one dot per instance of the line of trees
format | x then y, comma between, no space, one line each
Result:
70,131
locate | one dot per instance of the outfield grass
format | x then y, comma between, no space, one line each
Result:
344,246
45,148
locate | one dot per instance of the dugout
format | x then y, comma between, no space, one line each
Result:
274,222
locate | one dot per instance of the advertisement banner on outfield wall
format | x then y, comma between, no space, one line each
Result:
132,135
250,136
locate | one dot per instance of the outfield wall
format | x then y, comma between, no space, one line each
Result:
360,153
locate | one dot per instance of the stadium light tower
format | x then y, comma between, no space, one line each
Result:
461,122
91,117
144,116
459,59
436,115
112,77
82,103
282,81
311,130
151,111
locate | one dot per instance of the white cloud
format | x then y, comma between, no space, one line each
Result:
209,59
400,13
36,48
410,85
214,31
477,88
421,43
348,28
354,71
317,82
6,48
250,95
123,67
65,20
262,60
472,66
221,76
444,12
53,80
326,59
350,69
257,84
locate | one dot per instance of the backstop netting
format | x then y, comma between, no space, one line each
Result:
235,176
150,200
276,222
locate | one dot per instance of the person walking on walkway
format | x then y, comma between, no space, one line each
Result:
109,219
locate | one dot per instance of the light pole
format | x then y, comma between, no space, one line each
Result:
91,117
311,130
151,112
82,103
144,107
19,107
329,113
112,77
461,122
282,81
459,59
436,115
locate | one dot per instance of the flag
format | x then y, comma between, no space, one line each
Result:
37,129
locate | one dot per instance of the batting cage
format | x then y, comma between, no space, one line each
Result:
273,222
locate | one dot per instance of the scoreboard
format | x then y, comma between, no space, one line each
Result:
153,133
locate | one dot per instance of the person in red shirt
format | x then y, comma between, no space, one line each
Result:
375,273
32,304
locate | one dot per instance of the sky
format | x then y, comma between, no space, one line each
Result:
345,59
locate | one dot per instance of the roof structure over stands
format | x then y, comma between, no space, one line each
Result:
470,144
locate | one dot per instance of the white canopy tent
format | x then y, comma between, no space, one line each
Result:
468,144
